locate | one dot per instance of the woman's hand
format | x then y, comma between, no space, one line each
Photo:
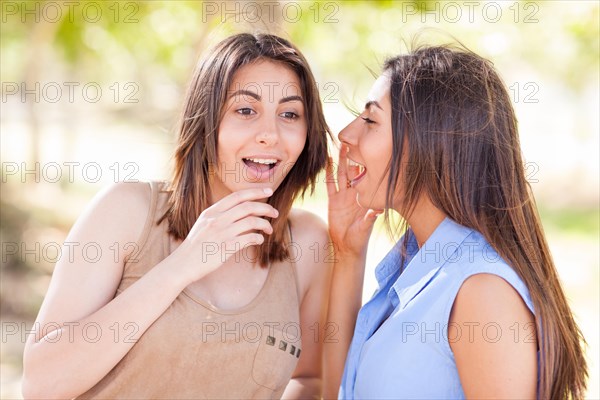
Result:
228,226
350,225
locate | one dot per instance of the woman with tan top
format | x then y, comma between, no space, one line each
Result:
217,294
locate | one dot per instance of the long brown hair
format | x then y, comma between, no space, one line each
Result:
196,152
454,113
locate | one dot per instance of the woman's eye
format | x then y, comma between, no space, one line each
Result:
245,111
368,120
290,115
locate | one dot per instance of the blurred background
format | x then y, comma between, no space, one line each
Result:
91,92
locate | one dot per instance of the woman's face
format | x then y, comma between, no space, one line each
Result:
369,142
262,131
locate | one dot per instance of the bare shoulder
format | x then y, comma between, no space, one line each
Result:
82,284
125,203
132,196
308,228
115,217
488,294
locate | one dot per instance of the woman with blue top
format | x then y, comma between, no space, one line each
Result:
469,304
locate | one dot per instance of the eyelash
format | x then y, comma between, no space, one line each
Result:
367,120
242,111
293,115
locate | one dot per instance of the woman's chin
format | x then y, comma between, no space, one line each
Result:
369,203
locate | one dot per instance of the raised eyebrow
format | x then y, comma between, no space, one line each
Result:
373,103
242,92
290,98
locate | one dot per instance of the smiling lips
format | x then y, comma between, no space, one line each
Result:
260,168
362,171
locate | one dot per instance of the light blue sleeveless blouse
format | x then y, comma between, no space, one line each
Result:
400,348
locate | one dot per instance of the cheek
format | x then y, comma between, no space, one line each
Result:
299,146
228,140
296,140
225,131
377,154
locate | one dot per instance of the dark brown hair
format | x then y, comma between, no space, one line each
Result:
196,152
453,113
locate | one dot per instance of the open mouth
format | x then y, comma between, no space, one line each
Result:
362,171
261,165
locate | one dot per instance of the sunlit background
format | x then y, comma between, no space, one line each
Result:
91,91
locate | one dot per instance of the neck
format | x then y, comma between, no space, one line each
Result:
217,190
424,220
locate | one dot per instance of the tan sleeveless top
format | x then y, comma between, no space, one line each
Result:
196,351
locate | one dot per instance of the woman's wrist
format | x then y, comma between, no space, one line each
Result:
351,261
348,254
174,271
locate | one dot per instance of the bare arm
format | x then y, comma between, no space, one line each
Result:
314,275
345,302
499,361
350,227
62,361
57,362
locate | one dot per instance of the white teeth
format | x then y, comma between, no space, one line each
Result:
352,163
267,161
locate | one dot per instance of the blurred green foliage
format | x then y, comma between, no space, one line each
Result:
165,33
584,222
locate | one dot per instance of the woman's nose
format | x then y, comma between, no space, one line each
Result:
349,134
268,134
